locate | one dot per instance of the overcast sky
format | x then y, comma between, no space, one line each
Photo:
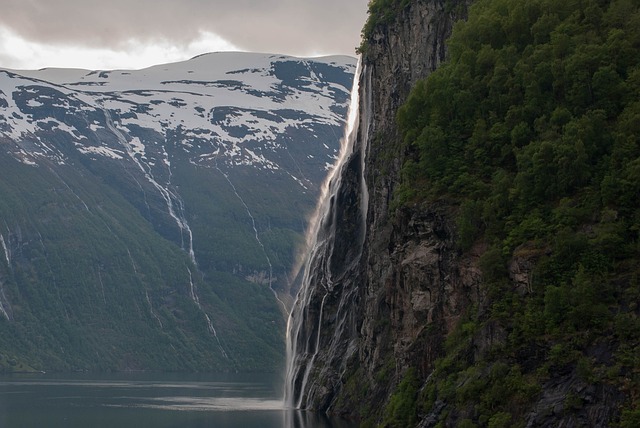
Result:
108,34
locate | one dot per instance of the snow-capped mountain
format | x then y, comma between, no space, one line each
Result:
183,186
230,106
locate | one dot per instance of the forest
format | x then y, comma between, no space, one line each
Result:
529,132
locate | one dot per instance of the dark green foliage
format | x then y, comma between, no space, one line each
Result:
532,127
630,419
401,410
381,12
92,286
512,102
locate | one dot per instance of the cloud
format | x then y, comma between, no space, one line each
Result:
18,53
297,27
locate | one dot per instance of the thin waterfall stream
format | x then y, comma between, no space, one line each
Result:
175,209
305,336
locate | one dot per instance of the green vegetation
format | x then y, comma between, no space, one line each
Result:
531,130
91,286
96,271
401,410
381,12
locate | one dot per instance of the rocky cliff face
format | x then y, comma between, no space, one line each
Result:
381,304
386,293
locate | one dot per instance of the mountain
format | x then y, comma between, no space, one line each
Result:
478,262
150,219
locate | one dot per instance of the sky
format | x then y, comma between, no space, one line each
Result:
133,34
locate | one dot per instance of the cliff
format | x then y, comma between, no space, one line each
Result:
404,323
382,304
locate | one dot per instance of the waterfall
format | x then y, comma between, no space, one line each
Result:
175,209
175,204
258,240
7,256
335,240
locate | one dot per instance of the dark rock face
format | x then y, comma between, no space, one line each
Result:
570,402
385,304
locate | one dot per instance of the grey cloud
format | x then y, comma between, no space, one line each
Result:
281,26
7,59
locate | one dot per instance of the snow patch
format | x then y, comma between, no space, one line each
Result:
102,151
137,147
187,97
34,103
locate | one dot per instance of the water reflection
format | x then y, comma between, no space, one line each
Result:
195,404
302,419
150,400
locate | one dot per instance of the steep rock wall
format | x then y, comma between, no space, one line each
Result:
381,305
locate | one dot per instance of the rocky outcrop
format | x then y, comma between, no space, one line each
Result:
570,402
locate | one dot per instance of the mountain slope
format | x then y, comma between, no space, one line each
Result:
150,218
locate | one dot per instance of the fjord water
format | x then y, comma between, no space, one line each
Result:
150,400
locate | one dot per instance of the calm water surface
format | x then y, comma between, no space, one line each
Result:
150,400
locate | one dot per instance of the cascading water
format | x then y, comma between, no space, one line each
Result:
335,240
176,209
7,256
258,240
175,205
5,308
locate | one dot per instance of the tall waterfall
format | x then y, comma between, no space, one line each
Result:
334,247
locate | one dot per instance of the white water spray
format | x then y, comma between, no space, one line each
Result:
303,341
5,308
3,311
196,299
